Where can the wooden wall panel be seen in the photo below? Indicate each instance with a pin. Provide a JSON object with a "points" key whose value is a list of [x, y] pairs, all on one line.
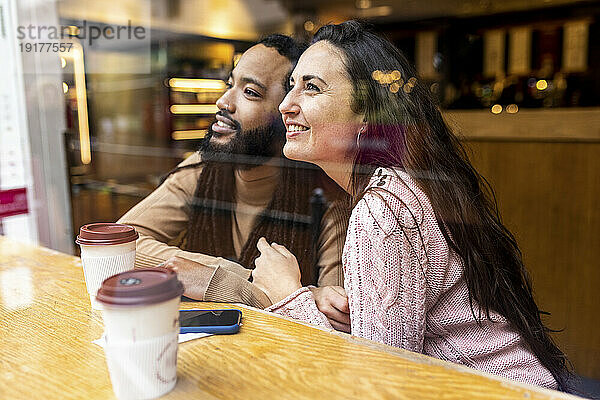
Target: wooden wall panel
{"points": [[548, 194]]}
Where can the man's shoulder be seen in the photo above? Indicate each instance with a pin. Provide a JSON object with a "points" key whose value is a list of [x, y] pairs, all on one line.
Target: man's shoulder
{"points": [[186, 174], [190, 168], [193, 159], [338, 211]]}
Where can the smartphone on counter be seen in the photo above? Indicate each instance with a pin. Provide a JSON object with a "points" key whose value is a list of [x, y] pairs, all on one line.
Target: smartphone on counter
{"points": [[222, 322]]}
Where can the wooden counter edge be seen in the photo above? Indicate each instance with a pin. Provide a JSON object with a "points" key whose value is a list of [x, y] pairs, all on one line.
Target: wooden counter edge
{"points": [[417, 357]]}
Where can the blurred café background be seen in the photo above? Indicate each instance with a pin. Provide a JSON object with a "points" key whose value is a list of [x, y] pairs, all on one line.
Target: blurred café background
{"points": [[87, 133]]}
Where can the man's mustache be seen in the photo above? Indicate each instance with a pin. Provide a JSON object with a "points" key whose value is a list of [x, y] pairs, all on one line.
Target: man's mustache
{"points": [[226, 114]]}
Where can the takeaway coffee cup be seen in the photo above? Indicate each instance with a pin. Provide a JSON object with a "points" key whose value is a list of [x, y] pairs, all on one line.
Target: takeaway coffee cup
{"points": [[106, 249], [140, 310]]}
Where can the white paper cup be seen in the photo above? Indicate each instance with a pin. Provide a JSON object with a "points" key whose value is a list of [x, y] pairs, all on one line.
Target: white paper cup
{"points": [[101, 262], [107, 249], [144, 369], [140, 309], [141, 322]]}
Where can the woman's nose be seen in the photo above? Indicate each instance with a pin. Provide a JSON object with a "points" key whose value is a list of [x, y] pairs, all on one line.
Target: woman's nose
{"points": [[289, 105]]}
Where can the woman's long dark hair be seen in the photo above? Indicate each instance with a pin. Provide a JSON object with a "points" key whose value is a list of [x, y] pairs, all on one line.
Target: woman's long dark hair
{"points": [[405, 130]]}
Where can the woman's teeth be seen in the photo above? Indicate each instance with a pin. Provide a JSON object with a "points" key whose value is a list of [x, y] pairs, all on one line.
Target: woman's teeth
{"points": [[296, 128]]}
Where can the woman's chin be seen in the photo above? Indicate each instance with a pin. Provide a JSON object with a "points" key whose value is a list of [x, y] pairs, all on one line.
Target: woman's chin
{"points": [[292, 151]]}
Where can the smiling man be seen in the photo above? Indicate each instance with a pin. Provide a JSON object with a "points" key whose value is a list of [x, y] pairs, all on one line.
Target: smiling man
{"points": [[205, 220]]}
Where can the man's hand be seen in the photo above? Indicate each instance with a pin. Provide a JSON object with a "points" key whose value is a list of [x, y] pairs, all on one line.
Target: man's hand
{"points": [[194, 276], [333, 302]]}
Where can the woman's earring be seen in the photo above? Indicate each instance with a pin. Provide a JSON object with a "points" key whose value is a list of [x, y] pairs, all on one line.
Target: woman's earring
{"points": [[360, 132]]}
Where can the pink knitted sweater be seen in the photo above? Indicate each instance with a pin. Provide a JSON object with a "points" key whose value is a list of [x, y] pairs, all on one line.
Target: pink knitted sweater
{"points": [[409, 291]]}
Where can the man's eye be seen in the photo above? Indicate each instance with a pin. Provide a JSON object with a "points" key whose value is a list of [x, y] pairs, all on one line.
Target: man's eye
{"points": [[252, 93], [312, 87], [228, 85]]}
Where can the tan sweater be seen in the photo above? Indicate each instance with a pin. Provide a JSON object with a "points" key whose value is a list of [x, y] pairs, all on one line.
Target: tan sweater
{"points": [[161, 219]]}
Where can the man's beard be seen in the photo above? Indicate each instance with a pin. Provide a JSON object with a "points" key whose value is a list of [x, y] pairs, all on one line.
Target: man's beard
{"points": [[246, 149]]}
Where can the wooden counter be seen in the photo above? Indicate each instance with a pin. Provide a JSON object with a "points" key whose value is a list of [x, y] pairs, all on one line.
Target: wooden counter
{"points": [[46, 329]]}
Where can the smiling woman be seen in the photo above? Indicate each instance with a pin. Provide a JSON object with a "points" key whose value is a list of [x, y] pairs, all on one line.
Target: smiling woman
{"points": [[428, 265], [321, 125]]}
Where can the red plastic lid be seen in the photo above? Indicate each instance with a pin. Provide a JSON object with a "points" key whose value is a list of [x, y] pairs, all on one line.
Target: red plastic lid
{"points": [[140, 287], [106, 234]]}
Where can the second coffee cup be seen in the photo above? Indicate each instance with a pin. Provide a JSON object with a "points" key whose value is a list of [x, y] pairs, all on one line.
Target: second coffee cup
{"points": [[106, 249], [140, 310]]}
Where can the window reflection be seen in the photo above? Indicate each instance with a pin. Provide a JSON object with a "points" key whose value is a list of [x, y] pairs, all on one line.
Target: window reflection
{"points": [[16, 288]]}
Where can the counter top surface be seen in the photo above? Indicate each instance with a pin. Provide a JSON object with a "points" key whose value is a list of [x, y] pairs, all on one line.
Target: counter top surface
{"points": [[47, 326]]}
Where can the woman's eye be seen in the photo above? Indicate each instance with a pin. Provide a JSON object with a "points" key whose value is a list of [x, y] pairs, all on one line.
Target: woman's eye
{"points": [[312, 87]]}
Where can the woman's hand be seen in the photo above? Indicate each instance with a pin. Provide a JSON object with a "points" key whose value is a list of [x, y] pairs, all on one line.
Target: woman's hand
{"points": [[277, 272], [333, 302]]}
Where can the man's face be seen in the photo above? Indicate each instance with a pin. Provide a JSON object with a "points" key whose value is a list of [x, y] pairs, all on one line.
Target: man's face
{"points": [[248, 120]]}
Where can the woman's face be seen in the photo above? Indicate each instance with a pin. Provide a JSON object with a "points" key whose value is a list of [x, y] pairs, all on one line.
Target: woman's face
{"points": [[321, 127]]}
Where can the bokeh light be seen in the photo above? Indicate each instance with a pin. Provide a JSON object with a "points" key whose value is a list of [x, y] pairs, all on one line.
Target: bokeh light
{"points": [[512, 108], [541, 84]]}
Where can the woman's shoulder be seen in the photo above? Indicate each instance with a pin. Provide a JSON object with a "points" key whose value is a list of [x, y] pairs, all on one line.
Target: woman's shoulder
{"points": [[397, 187], [395, 180], [391, 198]]}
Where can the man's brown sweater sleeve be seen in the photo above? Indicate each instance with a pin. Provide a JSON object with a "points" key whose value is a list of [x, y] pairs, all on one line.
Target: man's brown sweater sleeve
{"points": [[161, 219]]}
